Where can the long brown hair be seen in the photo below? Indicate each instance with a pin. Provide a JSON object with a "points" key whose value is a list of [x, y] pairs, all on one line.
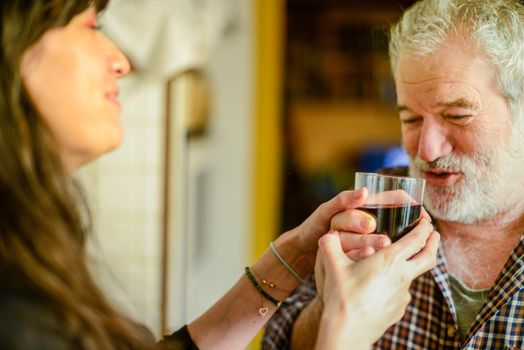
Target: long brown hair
{"points": [[42, 221]]}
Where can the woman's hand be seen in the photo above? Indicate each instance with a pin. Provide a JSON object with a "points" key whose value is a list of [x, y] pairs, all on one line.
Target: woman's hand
{"points": [[362, 299], [357, 245], [305, 237]]}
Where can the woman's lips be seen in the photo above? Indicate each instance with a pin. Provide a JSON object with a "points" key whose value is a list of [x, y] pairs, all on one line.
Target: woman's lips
{"points": [[441, 178], [113, 97]]}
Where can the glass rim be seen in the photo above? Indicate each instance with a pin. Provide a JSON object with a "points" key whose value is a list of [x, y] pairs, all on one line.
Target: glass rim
{"points": [[400, 177]]}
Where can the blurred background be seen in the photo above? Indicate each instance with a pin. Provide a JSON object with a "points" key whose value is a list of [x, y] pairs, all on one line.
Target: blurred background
{"points": [[241, 117]]}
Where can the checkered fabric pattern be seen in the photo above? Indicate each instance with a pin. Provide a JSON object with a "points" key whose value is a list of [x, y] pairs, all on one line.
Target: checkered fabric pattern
{"points": [[430, 319]]}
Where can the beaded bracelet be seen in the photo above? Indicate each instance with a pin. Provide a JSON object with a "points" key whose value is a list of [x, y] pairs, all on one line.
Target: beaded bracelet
{"points": [[289, 268], [266, 283], [260, 289]]}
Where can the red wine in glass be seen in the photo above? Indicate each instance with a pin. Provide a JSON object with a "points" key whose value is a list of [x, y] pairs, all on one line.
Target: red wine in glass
{"points": [[395, 220]]}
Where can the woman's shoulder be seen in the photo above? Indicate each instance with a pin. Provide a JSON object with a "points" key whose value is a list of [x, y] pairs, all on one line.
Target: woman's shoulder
{"points": [[28, 323]]}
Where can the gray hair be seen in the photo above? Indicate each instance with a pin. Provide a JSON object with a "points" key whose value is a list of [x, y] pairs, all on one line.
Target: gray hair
{"points": [[496, 27]]}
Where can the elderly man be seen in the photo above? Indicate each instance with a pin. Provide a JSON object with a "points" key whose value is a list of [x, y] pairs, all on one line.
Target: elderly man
{"points": [[459, 72]]}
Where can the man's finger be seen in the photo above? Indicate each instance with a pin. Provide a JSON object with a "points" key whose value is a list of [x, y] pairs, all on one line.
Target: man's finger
{"points": [[414, 241], [360, 254], [425, 214], [331, 248], [351, 241], [427, 257]]}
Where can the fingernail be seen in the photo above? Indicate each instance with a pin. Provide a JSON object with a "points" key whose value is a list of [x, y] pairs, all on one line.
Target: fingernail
{"points": [[366, 223], [359, 193]]}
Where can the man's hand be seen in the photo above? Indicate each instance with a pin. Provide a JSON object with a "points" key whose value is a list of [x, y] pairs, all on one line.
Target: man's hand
{"points": [[362, 299]]}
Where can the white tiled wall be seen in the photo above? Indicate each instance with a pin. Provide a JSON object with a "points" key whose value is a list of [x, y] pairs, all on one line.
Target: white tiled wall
{"points": [[125, 190]]}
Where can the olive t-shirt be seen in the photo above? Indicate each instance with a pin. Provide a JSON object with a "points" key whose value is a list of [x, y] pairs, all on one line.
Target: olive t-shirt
{"points": [[468, 303]]}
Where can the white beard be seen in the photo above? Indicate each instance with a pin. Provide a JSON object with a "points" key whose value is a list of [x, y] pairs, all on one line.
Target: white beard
{"points": [[492, 183]]}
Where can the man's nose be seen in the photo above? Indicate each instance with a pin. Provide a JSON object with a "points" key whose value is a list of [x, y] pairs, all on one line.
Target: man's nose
{"points": [[434, 141]]}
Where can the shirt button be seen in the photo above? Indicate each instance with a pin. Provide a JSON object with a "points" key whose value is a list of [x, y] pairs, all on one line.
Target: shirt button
{"points": [[452, 331]]}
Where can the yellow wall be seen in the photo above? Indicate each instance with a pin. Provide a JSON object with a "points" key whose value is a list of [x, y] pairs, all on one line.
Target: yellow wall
{"points": [[268, 114], [269, 34]]}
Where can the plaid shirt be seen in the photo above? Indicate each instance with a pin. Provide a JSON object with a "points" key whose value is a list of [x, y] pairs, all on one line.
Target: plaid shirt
{"points": [[430, 320]]}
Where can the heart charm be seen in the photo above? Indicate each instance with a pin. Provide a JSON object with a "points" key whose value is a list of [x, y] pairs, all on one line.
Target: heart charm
{"points": [[263, 311]]}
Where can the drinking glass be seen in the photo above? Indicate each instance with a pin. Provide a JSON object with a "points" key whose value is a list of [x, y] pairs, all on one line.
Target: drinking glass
{"points": [[394, 201]]}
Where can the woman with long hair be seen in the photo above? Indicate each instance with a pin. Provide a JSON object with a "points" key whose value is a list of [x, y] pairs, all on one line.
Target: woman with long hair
{"points": [[59, 109]]}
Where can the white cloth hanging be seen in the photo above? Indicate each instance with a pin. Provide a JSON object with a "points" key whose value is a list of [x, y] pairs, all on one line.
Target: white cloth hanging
{"points": [[165, 37]]}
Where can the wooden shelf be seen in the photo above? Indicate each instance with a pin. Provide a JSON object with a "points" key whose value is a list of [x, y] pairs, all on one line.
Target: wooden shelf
{"points": [[326, 134], [339, 51]]}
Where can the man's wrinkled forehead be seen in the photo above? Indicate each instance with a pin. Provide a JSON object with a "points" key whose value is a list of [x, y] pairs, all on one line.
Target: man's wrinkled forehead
{"points": [[438, 96], [460, 102], [451, 77]]}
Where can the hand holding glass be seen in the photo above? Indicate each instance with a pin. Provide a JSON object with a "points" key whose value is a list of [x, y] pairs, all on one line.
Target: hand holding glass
{"points": [[394, 201]]}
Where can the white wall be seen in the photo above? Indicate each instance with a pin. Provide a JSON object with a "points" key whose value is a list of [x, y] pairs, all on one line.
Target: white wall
{"points": [[219, 262], [125, 190]]}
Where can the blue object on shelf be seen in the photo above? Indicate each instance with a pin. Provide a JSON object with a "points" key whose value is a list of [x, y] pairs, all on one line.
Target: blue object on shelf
{"points": [[375, 157], [396, 156]]}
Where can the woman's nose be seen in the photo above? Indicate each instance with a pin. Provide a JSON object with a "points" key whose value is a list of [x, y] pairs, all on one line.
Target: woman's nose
{"points": [[119, 64]]}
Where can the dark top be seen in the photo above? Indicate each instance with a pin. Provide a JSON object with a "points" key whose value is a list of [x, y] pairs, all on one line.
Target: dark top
{"points": [[179, 340], [27, 323]]}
